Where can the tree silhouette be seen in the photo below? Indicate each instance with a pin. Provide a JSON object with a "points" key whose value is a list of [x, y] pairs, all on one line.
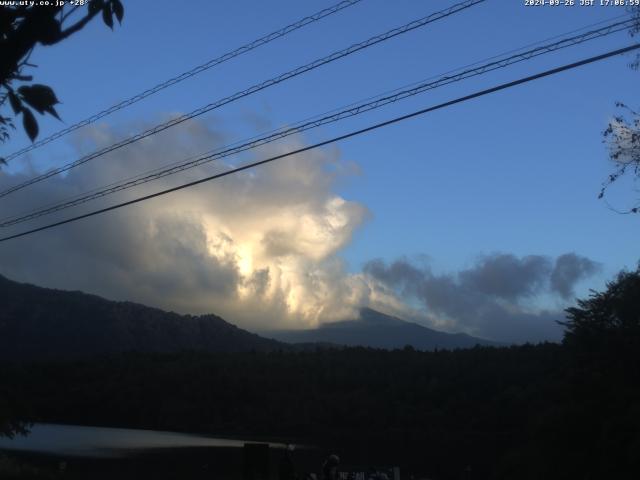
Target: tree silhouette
{"points": [[22, 28], [635, 30], [10, 424], [623, 138], [623, 134], [607, 320], [599, 417]]}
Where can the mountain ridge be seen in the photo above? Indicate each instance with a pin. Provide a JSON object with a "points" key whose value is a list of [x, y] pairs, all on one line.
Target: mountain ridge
{"points": [[38, 323], [41, 323], [378, 330]]}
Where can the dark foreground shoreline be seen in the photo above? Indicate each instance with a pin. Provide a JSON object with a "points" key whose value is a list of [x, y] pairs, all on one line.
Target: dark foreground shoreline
{"points": [[190, 463]]}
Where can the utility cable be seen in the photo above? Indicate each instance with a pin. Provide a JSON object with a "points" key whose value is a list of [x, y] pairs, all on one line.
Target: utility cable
{"points": [[355, 133], [188, 74], [251, 90], [355, 109]]}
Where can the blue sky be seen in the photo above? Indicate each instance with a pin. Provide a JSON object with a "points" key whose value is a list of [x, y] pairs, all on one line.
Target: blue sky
{"points": [[515, 172]]}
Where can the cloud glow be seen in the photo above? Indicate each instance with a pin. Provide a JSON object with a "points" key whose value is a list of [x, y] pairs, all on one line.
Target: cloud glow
{"points": [[262, 248]]}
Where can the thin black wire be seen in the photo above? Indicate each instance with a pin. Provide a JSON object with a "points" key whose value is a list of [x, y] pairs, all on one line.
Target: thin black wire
{"points": [[363, 107], [251, 90], [370, 128], [191, 73]]}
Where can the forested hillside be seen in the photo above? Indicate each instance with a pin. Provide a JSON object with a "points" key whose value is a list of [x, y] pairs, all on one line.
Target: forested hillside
{"points": [[547, 411], [42, 323], [521, 412]]}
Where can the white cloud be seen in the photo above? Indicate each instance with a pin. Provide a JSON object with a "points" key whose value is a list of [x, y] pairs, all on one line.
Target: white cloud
{"points": [[259, 248]]}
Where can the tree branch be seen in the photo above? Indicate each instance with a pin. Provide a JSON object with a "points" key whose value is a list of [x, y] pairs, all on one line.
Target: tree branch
{"points": [[79, 25]]}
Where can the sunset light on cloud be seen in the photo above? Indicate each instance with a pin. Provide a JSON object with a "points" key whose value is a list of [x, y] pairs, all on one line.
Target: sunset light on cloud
{"points": [[370, 240], [263, 248], [496, 193]]}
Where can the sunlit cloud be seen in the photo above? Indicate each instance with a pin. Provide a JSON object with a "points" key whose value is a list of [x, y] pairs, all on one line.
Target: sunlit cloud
{"points": [[263, 248], [260, 247]]}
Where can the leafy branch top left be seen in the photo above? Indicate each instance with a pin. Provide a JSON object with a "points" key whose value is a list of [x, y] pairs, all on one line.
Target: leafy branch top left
{"points": [[22, 28]]}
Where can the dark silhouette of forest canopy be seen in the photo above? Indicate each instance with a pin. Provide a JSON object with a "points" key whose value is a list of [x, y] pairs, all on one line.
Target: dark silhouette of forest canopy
{"points": [[546, 411], [531, 411], [23, 28]]}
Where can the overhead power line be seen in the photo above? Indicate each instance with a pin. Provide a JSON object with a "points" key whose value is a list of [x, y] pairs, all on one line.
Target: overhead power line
{"points": [[251, 90], [355, 133], [188, 74], [353, 110]]}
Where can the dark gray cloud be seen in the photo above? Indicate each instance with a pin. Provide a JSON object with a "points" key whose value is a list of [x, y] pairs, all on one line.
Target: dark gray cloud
{"points": [[508, 277], [490, 298], [569, 270], [163, 261]]}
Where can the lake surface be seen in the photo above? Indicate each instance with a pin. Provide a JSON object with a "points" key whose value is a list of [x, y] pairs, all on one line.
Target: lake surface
{"points": [[72, 440]]}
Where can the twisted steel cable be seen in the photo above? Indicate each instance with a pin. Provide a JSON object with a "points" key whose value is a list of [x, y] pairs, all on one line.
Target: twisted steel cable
{"points": [[251, 90], [188, 74], [318, 121], [332, 140]]}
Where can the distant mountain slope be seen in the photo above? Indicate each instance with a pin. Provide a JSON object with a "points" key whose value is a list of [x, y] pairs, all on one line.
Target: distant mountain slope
{"points": [[38, 323], [377, 330]]}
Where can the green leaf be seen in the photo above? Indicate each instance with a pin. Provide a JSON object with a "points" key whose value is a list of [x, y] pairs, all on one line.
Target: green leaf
{"points": [[16, 103], [40, 97], [107, 15], [118, 9], [30, 124]]}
